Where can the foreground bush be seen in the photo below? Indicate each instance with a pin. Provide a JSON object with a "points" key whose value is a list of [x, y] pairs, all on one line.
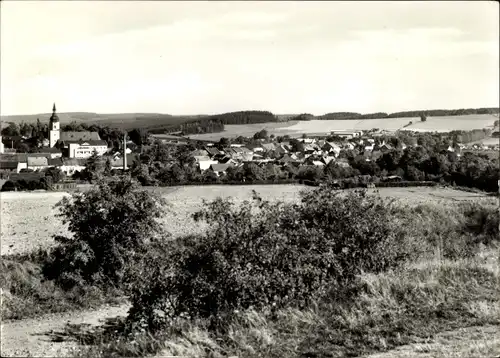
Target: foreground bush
{"points": [[268, 256], [113, 225], [388, 310]]}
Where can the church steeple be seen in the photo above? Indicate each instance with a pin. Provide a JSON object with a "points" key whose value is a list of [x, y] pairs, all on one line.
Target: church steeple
{"points": [[54, 117], [54, 127]]}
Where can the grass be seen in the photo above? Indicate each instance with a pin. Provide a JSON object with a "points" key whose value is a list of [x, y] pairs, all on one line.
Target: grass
{"points": [[28, 221], [26, 293], [412, 307], [392, 309]]}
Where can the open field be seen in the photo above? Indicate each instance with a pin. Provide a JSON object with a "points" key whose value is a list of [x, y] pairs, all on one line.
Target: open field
{"points": [[245, 130], [296, 128], [28, 220], [488, 141]]}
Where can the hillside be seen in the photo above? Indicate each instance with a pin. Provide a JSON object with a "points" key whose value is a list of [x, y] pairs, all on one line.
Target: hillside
{"points": [[154, 122], [120, 120]]}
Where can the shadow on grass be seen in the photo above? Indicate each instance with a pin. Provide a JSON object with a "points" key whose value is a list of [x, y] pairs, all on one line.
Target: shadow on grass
{"points": [[88, 334]]}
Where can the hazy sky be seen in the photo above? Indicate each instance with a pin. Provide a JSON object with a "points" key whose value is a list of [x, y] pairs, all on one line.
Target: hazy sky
{"points": [[286, 57]]}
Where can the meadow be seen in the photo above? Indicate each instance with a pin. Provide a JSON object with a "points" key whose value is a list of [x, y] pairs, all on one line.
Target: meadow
{"points": [[296, 128], [29, 222]]}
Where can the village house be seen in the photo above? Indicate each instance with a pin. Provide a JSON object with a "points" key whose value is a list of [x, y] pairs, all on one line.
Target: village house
{"points": [[330, 147], [204, 162], [74, 144], [37, 163], [73, 165], [117, 161], [85, 149], [347, 134], [269, 147], [49, 152], [212, 151], [219, 169]]}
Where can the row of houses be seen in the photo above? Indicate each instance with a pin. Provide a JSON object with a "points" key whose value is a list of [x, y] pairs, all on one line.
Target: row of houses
{"points": [[314, 152], [15, 163]]}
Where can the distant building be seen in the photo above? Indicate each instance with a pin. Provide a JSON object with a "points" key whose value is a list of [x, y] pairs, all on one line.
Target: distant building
{"points": [[70, 166], [347, 134], [54, 128], [74, 144]]}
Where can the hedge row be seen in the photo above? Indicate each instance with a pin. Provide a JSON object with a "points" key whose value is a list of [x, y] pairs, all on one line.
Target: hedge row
{"points": [[248, 182], [23, 185], [403, 184]]}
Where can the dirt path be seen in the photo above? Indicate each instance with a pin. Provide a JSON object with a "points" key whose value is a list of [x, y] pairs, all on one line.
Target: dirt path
{"points": [[34, 337]]}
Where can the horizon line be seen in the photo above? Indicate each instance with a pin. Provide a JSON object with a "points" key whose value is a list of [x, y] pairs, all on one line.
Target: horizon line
{"points": [[247, 110]]}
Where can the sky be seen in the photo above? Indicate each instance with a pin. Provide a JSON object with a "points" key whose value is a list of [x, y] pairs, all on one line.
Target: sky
{"points": [[213, 57]]}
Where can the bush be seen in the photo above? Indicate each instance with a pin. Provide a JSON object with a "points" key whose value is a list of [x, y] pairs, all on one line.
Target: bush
{"points": [[267, 256], [10, 185], [113, 225]]}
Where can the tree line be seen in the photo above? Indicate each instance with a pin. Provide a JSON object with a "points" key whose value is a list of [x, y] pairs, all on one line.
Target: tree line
{"points": [[404, 114], [164, 165]]}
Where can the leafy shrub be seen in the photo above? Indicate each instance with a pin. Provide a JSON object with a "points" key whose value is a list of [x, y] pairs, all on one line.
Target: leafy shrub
{"points": [[483, 223], [113, 226], [9, 185], [265, 255]]}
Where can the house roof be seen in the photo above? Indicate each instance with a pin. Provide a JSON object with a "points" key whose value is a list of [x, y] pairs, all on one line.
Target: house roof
{"points": [[55, 162], [37, 161], [8, 164], [226, 160], [48, 150], [75, 162], [118, 162], [269, 146], [78, 136], [199, 152], [219, 167], [14, 157], [212, 150], [200, 158], [87, 142]]}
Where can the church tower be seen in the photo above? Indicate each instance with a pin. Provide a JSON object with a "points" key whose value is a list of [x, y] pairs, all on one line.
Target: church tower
{"points": [[54, 128]]}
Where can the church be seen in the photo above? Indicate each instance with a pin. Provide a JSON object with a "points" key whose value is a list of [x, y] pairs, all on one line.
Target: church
{"points": [[74, 144]]}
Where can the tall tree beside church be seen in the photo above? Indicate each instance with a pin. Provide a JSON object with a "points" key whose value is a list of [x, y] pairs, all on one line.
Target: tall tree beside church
{"points": [[93, 169]]}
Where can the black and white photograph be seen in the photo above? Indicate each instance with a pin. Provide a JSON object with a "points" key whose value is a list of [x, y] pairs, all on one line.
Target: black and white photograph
{"points": [[250, 179]]}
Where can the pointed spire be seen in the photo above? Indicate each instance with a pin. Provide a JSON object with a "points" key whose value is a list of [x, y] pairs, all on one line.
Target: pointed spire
{"points": [[54, 117]]}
